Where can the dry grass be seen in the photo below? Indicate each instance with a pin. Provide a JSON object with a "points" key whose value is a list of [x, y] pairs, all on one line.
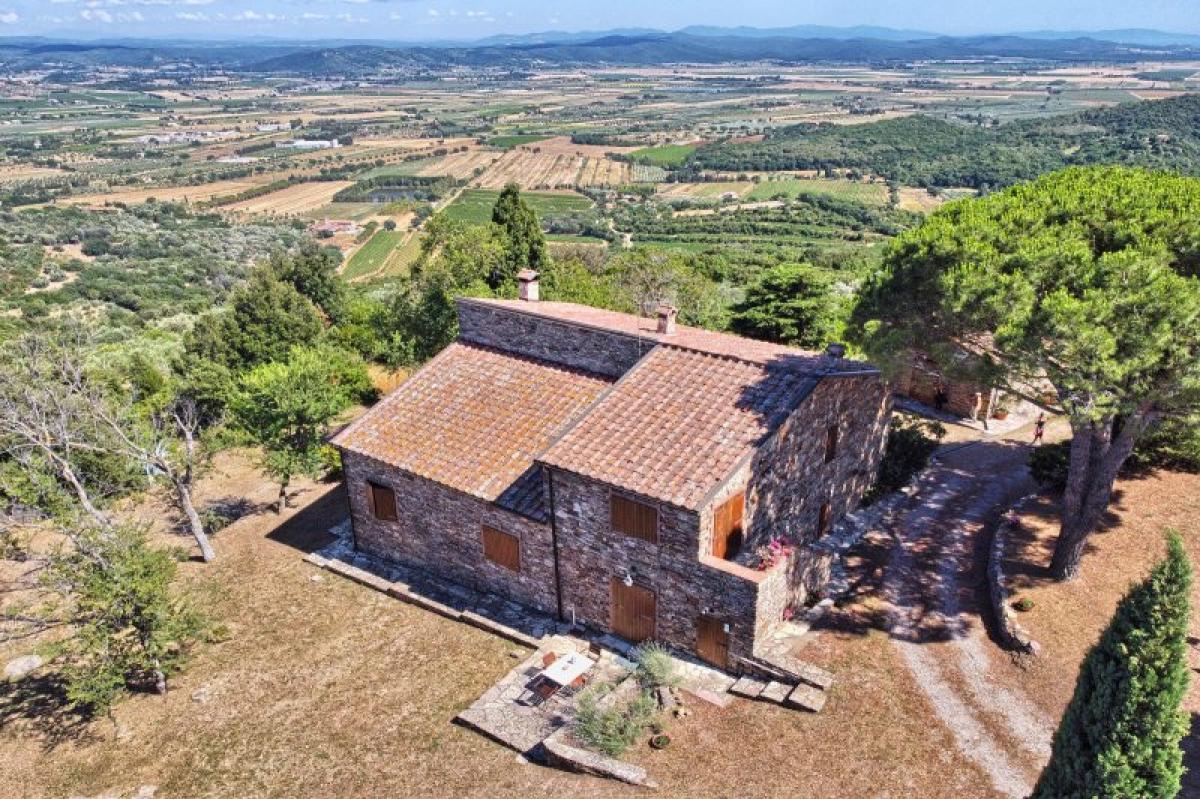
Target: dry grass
{"points": [[1067, 618], [327, 689], [293, 200]]}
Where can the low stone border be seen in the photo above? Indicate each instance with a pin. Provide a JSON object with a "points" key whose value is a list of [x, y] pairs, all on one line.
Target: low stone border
{"points": [[1012, 635]]}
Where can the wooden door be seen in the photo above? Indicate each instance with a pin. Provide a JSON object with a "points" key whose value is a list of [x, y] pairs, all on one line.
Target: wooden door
{"points": [[633, 609], [727, 527], [712, 641]]}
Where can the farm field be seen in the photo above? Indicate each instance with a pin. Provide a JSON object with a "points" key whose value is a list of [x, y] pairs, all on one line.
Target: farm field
{"points": [[665, 155], [507, 142], [293, 200], [373, 256], [474, 206], [704, 191], [545, 170], [193, 194], [858, 191]]}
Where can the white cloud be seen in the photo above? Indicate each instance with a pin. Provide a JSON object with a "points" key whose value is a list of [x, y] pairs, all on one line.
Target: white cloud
{"points": [[99, 15], [250, 15], [9, 17], [192, 16], [433, 12]]}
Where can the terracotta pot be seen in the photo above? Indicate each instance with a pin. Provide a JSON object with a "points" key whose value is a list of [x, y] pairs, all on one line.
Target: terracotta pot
{"points": [[660, 741]]}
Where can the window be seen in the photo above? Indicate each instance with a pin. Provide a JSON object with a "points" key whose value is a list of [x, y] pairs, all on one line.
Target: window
{"points": [[634, 518], [727, 527], [382, 501], [502, 548], [831, 443], [823, 520]]}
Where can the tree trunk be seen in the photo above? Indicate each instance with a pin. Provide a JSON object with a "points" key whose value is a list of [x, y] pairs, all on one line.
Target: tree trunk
{"points": [[197, 526], [1096, 457], [282, 501]]}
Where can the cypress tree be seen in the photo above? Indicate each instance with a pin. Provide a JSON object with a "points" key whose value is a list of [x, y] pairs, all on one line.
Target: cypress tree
{"points": [[525, 244], [1120, 735]]}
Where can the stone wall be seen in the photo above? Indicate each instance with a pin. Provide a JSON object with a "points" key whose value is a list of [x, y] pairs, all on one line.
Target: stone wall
{"points": [[440, 531], [604, 352], [591, 554], [920, 381]]}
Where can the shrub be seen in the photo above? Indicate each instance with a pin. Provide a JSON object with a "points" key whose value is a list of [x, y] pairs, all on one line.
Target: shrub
{"points": [[1172, 444], [130, 629], [614, 729], [655, 666], [1049, 463], [910, 444]]}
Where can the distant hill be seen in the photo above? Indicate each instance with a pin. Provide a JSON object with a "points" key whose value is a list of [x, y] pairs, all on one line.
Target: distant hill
{"points": [[922, 151], [634, 47]]}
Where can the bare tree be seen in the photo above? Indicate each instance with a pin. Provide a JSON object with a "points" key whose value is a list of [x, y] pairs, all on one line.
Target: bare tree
{"points": [[53, 413]]}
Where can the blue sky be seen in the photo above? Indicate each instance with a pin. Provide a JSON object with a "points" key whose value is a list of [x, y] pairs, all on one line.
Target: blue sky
{"points": [[471, 19]]}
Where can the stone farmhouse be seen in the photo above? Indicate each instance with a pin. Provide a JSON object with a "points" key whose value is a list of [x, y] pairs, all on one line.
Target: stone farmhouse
{"points": [[630, 475]]}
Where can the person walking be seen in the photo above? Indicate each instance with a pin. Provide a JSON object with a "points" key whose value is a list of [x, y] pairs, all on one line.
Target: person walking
{"points": [[1039, 429]]}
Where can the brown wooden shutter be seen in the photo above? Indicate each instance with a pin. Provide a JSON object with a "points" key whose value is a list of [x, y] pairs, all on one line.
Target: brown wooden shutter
{"points": [[728, 527], [383, 502], [634, 518], [502, 548], [823, 520]]}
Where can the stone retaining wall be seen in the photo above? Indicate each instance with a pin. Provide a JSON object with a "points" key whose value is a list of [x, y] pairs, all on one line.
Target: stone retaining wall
{"points": [[1012, 635]]}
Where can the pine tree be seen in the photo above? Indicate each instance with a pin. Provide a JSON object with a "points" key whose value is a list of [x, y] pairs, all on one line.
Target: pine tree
{"points": [[526, 246], [1120, 735]]}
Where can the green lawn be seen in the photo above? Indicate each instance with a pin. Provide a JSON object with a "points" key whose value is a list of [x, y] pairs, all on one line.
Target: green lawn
{"points": [[515, 139], [371, 257], [474, 206], [666, 155], [872, 193]]}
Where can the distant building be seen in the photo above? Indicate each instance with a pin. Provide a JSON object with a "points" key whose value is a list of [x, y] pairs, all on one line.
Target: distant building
{"points": [[270, 127], [335, 227], [309, 144]]}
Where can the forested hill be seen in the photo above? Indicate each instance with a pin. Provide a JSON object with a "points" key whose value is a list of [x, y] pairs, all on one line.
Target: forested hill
{"points": [[922, 151]]}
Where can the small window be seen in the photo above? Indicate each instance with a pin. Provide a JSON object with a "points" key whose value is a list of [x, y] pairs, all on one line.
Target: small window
{"points": [[634, 518], [383, 502], [831, 443], [823, 520], [502, 548]]}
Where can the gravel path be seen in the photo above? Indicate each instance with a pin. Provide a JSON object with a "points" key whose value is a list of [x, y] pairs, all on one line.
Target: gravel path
{"points": [[933, 579]]}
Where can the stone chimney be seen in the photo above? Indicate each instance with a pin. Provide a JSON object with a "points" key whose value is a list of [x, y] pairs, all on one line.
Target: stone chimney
{"points": [[835, 351], [666, 319], [527, 282]]}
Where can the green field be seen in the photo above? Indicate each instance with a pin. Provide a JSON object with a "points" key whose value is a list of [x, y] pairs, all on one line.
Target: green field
{"points": [[372, 256], [515, 140], [874, 193], [474, 206], [666, 155]]}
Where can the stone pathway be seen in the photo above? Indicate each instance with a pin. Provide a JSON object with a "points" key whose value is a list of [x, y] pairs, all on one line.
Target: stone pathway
{"points": [[936, 624]]}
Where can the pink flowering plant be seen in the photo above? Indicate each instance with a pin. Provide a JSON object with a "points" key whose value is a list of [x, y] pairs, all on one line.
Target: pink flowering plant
{"points": [[775, 552]]}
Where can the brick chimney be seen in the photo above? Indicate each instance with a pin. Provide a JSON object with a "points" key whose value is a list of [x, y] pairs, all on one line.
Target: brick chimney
{"points": [[527, 282], [666, 319]]}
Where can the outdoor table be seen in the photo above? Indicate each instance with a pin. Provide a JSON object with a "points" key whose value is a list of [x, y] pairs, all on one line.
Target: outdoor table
{"points": [[566, 669]]}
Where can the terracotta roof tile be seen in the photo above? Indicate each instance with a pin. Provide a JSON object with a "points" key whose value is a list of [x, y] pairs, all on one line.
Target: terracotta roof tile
{"points": [[474, 419], [679, 422]]}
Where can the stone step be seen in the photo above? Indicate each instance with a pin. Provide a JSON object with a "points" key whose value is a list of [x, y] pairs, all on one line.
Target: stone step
{"points": [[775, 692], [805, 697], [748, 687]]}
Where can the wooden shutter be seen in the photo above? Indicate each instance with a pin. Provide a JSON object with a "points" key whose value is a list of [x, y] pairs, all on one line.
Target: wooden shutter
{"points": [[823, 520], [634, 518], [831, 443], [383, 502], [728, 526], [633, 611], [502, 548]]}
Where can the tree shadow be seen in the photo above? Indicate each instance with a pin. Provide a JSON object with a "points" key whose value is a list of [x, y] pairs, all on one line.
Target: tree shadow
{"points": [[308, 530], [1028, 563], [38, 705]]}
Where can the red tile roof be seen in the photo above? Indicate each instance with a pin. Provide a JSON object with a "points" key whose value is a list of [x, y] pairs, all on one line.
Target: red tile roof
{"points": [[678, 423], [692, 338], [474, 419]]}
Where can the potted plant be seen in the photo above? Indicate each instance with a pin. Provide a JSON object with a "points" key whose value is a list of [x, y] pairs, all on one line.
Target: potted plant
{"points": [[660, 740]]}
